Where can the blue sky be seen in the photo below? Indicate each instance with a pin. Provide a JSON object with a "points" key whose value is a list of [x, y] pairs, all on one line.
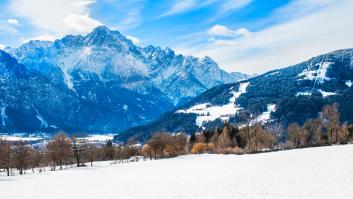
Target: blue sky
{"points": [[251, 36]]}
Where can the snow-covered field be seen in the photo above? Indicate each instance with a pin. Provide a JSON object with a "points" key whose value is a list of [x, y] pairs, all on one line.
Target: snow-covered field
{"points": [[314, 173]]}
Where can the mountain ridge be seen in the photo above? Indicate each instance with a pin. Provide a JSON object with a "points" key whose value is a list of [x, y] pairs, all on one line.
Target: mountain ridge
{"points": [[124, 85], [292, 94]]}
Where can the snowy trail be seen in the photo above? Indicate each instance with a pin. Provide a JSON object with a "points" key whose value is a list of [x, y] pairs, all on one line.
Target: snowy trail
{"points": [[314, 173]]}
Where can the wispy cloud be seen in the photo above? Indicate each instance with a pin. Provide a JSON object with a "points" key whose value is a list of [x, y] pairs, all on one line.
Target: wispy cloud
{"points": [[296, 39], [2, 46], [6, 29], [130, 14], [182, 6], [231, 5]]}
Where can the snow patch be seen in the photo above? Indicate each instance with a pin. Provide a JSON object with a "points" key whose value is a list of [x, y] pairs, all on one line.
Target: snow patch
{"points": [[13, 138], [306, 93], [87, 51], [125, 107], [40, 118], [266, 116], [349, 83], [326, 94], [3, 115], [206, 112], [317, 75], [42, 121], [100, 138]]}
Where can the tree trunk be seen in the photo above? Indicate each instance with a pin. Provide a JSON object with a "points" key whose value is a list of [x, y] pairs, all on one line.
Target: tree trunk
{"points": [[78, 160]]}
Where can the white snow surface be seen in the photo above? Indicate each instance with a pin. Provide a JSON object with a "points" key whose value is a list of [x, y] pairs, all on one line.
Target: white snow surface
{"points": [[14, 138], [3, 115], [306, 93], [207, 112], [326, 94], [318, 75], [100, 138], [266, 116], [312, 173], [349, 83]]}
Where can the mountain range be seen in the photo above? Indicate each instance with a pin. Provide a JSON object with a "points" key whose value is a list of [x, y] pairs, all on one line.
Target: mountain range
{"points": [[97, 83], [289, 95]]}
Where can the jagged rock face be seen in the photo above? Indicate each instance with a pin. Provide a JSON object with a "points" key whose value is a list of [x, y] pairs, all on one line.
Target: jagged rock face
{"points": [[99, 83], [30, 102], [105, 55], [288, 95]]}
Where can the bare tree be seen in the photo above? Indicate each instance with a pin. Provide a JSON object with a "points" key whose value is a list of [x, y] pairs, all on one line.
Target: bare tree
{"points": [[59, 149], [5, 156], [180, 143], [313, 130], [108, 151], [277, 132], [293, 134], [79, 148], [343, 134], [331, 120], [21, 156], [158, 143], [223, 140], [147, 151], [91, 153]]}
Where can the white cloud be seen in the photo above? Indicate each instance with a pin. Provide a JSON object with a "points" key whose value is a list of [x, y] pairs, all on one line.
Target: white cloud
{"points": [[2, 46], [45, 37], [223, 31], [84, 2], [56, 17], [316, 31], [12, 21], [134, 40], [80, 23]]}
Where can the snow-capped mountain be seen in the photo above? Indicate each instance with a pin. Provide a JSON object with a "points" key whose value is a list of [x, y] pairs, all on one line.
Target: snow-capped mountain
{"points": [[288, 95], [97, 83], [30, 102], [105, 55]]}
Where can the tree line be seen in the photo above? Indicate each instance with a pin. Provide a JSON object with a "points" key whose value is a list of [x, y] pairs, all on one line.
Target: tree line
{"points": [[59, 152], [252, 137]]}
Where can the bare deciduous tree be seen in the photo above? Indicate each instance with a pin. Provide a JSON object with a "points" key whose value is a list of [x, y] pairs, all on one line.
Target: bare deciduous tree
{"points": [[331, 120], [59, 149], [21, 156], [5, 156], [79, 149]]}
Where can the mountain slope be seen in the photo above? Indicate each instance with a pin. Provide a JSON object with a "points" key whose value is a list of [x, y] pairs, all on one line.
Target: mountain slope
{"points": [[107, 83], [30, 102], [292, 94], [106, 55]]}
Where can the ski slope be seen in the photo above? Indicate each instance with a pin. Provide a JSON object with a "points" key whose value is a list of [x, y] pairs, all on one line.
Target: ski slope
{"points": [[313, 173]]}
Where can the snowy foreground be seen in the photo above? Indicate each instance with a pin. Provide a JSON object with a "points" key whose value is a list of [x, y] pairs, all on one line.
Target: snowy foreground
{"points": [[314, 173]]}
